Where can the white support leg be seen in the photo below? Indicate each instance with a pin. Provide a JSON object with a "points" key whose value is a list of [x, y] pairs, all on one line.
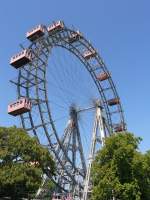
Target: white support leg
{"points": [[97, 134]]}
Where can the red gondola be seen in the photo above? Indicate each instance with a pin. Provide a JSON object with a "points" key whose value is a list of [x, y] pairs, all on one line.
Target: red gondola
{"points": [[56, 26], [103, 76], [21, 58], [89, 54], [113, 102], [119, 128], [35, 33], [74, 37], [21, 106]]}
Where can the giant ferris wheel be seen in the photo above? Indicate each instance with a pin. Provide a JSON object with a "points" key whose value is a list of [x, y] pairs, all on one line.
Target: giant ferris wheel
{"points": [[67, 100]]}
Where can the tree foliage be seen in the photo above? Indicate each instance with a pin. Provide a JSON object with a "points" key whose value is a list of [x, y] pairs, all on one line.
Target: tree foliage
{"points": [[120, 170], [22, 163]]}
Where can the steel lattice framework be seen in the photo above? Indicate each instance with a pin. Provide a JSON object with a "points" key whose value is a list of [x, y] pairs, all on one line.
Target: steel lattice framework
{"points": [[32, 83]]}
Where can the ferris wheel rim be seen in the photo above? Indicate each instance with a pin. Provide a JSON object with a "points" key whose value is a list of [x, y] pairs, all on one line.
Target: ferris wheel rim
{"points": [[92, 72]]}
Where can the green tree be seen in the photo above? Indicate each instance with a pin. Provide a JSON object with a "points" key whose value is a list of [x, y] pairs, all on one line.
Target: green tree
{"points": [[120, 170], [22, 164]]}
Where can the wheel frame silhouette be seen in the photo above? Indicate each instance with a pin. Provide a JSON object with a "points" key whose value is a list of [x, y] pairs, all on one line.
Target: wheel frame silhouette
{"points": [[33, 75]]}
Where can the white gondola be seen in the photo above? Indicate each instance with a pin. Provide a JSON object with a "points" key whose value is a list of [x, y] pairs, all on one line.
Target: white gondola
{"points": [[112, 102], [19, 107], [35, 33], [56, 26], [103, 76], [21, 58], [75, 37], [89, 54]]}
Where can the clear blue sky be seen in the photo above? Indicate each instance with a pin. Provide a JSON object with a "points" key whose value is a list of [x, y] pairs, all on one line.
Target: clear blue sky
{"points": [[119, 29]]}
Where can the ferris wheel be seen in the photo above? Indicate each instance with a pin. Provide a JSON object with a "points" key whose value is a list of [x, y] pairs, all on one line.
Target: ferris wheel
{"points": [[67, 99]]}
